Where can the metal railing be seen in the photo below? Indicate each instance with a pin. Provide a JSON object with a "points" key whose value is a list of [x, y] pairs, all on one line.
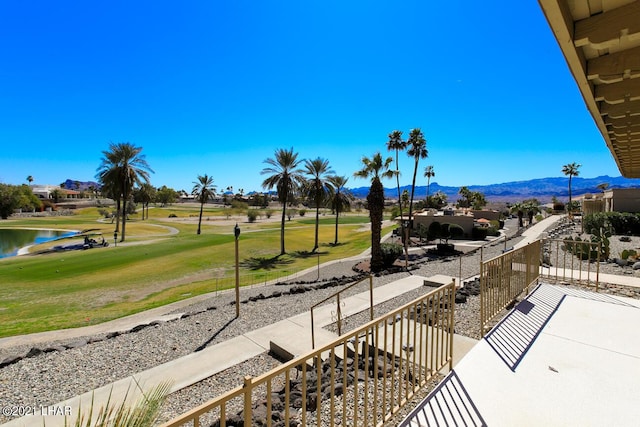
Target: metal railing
{"points": [[338, 312], [571, 261], [362, 378], [506, 276]]}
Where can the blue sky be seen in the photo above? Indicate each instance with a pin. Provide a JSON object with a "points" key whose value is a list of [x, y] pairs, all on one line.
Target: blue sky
{"points": [[216, 87]]}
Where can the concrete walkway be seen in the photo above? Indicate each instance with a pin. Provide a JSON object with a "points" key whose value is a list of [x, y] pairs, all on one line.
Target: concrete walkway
{"points": [[562, 357], [197, 366]]}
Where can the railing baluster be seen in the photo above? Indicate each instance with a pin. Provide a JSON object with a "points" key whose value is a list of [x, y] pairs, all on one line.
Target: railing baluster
{"points": [[431, 347]]}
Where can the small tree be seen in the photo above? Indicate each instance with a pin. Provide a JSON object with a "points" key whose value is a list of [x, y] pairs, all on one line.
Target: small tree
{"points": [[203, 190]]}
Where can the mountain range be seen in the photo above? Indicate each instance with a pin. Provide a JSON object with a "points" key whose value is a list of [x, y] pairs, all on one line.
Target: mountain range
{"points": [[542, 189]]}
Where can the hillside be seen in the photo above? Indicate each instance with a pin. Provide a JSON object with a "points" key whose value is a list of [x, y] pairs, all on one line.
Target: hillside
{"points": [[542, 189]]}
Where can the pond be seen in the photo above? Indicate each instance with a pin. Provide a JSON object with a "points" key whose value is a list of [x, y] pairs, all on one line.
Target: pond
{"points": [[13, 239]]}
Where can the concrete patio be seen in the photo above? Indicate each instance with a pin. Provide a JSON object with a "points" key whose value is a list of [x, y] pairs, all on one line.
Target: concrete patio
{"points": [[562, 357]]}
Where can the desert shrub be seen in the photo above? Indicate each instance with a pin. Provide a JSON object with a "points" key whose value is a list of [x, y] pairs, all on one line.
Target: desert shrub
{"points": [[290, 213], [301, 212], [390, 252], [172, 215], [252, 215], [455, 231], [618, 222], [492, 231], [48, 204], [239, 205], [268, 213], [433, 232], [628, 253], [479, 233]]}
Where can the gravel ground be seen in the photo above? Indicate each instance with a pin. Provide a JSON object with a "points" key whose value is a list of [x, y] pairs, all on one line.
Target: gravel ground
{"points": [[58, 375]]}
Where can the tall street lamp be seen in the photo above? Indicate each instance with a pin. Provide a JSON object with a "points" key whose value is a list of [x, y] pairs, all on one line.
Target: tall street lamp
{"points": [[236, 232]]}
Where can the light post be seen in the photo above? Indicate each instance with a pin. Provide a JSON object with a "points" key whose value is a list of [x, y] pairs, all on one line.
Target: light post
{"points": [[115, 238], [236, 232]]}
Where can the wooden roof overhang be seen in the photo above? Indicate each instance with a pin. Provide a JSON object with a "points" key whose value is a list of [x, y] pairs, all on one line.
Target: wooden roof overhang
{"points": [[600, 40]]}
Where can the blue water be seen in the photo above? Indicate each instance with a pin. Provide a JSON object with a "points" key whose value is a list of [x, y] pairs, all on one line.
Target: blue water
{"points": [[13, 239]]}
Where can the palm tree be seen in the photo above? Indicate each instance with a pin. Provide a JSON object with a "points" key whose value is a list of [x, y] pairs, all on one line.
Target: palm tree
{"points": [[418, 150], [396, 143], [376, 168], [286, 178], [518, 208], [121, 168], [429, 173], [571, 170], [339, 197], [30, 179], [109, 176], [147, 194], [203, 190], [317, 186]]}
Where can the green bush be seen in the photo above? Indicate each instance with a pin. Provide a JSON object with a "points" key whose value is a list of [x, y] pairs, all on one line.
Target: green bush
{"points": [[239, 205], [455, 231], [628, 253], [172, 215], [301, 212], [252, 215], [434, 230], [479, 233], [619, 222], [492, 231], [390, 253], [268, 213]]}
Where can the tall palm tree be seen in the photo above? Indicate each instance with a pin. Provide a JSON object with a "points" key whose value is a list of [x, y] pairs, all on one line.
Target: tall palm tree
{"points": [[319, 172], [203, 190], [339, 197], [417, 145], [121, 168], [109, 177], [429, 173], [286, 178], [376, 168], [518, 208], [570, 170], [396, 143], [30, 179], [147, 194]]}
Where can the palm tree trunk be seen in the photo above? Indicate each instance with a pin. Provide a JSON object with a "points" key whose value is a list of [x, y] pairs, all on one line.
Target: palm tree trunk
{"points": [[200, 218], [570, 207], [402, 230], [117, 216], [337, 213], [413, 188], [124, 218], [376, 206], [315, 246], [284, 209]]}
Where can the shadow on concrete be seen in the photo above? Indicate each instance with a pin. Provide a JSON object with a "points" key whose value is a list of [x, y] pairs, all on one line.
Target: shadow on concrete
{"points": [[514, 335], [449, 404]]}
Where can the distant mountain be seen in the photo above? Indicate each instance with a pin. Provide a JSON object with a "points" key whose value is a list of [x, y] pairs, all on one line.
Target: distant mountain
{"points": [[72, 184], [542, 189]]}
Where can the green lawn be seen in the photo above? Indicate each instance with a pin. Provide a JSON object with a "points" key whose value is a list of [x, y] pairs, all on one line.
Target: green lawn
{"points": [[155, 267]]}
